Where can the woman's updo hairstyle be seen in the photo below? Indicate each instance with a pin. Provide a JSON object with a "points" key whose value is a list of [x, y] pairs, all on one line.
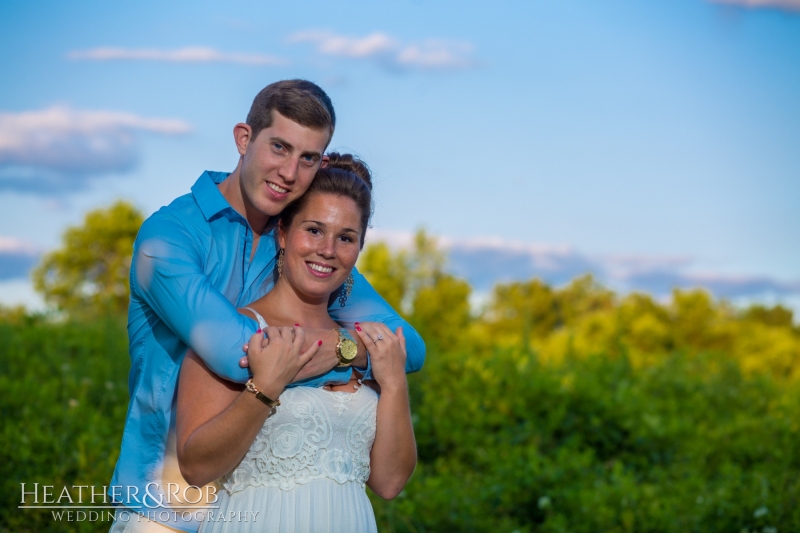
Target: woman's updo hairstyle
{"points": [[345, 175]]}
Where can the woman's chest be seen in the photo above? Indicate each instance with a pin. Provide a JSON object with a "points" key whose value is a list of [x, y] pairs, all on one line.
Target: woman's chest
{"points": [[310, 418]]}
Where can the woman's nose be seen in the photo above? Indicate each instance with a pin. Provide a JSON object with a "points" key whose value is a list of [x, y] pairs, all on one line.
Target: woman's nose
{"points": [[326, 248]]}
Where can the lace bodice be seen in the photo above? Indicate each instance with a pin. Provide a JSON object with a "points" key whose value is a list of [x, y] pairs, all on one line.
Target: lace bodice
{"points": [[313, 434]]}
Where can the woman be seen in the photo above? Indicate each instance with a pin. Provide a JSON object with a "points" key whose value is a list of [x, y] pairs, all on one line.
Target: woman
{"points": [[303, 464]]}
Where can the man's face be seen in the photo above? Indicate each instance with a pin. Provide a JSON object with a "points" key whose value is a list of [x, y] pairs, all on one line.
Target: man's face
{"points": [[280, 163]]}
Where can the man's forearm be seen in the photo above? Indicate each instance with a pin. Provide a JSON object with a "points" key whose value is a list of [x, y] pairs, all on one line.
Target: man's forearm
{"points": [[327, 358]]}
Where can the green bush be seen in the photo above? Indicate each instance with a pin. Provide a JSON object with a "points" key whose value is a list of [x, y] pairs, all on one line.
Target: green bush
{"points": [[63, 403], [506, 443]]}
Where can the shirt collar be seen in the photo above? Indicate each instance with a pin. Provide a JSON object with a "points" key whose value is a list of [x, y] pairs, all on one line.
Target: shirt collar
{"points": [[207, 194]]}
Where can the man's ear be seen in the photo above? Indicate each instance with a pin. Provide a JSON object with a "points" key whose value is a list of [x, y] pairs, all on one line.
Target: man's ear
{"points": [[241, 135], [281, 235], [325, 160]]}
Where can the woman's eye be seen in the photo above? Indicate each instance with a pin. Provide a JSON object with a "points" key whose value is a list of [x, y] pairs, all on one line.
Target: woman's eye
{"points": [[347, 238], [313, 231]]}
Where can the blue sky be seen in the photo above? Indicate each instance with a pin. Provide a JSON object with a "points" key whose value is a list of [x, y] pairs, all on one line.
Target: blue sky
{"points": [[653, 143]]}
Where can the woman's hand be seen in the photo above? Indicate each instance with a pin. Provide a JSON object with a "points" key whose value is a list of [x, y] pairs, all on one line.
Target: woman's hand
{"points": [[394, 451], [387, 353], [276, 359]]}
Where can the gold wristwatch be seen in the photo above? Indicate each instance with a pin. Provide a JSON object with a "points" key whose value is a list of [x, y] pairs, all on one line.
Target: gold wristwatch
{"points": [[346, 349]]}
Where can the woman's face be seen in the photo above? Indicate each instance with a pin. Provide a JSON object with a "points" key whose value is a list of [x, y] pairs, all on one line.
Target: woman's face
{"points": [[322, 244]]}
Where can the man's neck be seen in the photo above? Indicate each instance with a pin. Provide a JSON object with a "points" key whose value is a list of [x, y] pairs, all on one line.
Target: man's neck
{"points": [[231, 189]]}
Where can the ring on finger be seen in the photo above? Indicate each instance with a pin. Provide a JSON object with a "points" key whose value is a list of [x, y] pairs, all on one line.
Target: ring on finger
{"points": [[378, 338]]}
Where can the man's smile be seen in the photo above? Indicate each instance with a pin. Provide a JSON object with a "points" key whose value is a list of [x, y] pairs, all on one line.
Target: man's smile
{"points": [[276, 188]]}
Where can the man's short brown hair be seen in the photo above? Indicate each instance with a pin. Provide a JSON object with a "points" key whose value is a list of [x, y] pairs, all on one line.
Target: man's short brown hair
{"points": [[300, 101]]}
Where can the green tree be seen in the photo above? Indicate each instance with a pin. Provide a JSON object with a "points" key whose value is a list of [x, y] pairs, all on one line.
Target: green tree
{"points": [[414, 282], [386, 271], [442, 312], [89, 274]]}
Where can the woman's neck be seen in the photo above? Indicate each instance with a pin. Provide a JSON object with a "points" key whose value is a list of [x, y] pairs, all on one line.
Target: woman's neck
{"points": [[285, 306]]}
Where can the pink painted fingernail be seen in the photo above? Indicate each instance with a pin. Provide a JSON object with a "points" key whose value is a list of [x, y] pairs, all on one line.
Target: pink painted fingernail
{"points": [[297, 325], [319, 343], [358, 328], [258, 330], [357, 323]]}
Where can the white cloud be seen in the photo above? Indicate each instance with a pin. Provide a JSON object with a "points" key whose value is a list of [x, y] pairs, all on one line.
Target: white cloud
{"points": [[58, 149], [389, 52], [487, 261], [338, 45], [788, 5], [16, 258], [13, 245], [195, 54], [435, 54]]}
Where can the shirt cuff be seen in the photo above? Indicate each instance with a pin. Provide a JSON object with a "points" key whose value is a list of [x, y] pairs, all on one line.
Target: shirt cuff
{"points": [[367, 372]]}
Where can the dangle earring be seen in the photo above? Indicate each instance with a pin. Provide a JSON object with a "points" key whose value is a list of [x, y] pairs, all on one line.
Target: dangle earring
{"points": [[280, 263], [348, 287]]}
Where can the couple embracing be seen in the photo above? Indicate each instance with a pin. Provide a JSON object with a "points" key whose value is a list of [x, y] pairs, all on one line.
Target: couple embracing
{"points": [[264, 258]]}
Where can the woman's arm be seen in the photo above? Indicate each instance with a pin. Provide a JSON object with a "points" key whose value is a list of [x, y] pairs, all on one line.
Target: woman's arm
{"points": [[394, 452], [217, 421]]}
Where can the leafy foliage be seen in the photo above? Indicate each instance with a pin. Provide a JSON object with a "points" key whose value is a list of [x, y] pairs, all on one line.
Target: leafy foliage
{"points": [[63, 403], [551, 409], [89, 274]]}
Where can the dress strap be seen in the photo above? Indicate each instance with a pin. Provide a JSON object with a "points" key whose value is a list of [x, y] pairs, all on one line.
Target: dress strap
{"points": [[261, 322]]}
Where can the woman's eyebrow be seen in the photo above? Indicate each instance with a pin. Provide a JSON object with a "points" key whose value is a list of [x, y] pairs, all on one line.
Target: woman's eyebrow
{"points": [[318, 223]]}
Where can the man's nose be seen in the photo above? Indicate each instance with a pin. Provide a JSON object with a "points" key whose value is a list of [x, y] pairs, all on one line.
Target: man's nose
{"points": [[288, 171]]}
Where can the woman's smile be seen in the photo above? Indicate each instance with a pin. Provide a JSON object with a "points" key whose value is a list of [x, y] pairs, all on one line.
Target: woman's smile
{"points": [[320, 270]]}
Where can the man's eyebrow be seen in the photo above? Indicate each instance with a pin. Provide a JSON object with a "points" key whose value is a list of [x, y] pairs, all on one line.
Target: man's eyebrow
{"points": [[312, 154], [289, 147], [285, 143]]}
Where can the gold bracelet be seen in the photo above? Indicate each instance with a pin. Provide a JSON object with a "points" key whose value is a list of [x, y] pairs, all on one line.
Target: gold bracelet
{"points": [[251, 387]]}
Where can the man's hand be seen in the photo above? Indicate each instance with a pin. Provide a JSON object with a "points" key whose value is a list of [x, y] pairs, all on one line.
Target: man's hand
{"points": [[325, 358]]}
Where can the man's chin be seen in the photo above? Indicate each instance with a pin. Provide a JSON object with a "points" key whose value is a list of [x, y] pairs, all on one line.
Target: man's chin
{"points": [[271, 208]]}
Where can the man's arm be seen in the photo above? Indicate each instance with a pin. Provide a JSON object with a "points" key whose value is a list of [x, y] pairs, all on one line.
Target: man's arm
{"points": [[167, 273], [365, 305]]}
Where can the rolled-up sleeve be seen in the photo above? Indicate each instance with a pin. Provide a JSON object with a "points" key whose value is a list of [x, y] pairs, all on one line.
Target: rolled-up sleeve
{"points": [[167, 274]]}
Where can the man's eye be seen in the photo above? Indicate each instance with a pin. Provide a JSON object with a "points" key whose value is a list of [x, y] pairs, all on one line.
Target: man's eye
{"points": [[277, 146]]}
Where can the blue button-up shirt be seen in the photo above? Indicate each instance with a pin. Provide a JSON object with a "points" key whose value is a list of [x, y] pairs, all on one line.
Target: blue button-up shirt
{"points": [[191, 269]]}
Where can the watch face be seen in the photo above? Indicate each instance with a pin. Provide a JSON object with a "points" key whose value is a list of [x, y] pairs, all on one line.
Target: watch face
{"points": [[348, 349]]}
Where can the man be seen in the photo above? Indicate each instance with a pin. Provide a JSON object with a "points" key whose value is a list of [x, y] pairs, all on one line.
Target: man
{"points": [[209, 252]]}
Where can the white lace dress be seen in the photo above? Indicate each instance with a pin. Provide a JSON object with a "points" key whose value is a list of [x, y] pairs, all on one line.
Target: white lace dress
{"points": [[307, 468]]}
